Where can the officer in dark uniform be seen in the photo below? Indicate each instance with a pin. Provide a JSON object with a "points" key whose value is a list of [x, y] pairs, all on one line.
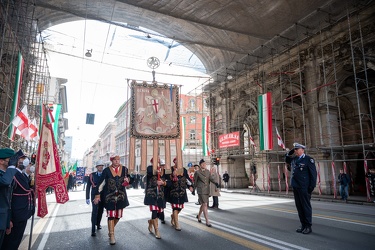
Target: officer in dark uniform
{"points": [[303, 181], [22, 205], [97, 209]]}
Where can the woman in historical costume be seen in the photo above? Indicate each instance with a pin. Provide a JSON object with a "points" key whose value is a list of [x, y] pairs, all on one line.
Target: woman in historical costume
{"points": [[112, 186], [155, 196], [180, 181]]}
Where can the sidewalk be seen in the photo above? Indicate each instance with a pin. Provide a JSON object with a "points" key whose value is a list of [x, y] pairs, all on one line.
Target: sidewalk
{"points": [[353, 199]]}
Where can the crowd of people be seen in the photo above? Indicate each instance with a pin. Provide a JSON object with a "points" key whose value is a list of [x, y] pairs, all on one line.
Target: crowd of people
{"points": [[107, 189]]}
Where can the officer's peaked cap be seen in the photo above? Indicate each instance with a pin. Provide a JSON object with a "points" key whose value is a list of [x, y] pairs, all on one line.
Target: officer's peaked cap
{"points": [[297, 145]]}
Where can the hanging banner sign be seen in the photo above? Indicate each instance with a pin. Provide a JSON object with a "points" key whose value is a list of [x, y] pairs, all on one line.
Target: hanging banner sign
{"points": [[229, 140]]}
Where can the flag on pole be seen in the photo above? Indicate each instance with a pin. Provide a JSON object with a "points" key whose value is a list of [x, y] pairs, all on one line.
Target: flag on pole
{"points": [[21, 123], [48, 169], [53, 118], [265, 121], [33, 131], [279, 140], [183, 126], [16, 96], [73, 168], [205, 135], [252, 142]]}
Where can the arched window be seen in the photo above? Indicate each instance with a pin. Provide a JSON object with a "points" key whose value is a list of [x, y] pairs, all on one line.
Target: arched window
{"points": [[192, 104]]}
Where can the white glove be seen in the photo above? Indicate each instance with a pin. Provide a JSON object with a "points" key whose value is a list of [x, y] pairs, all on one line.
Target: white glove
{"points": [[88, 201]]}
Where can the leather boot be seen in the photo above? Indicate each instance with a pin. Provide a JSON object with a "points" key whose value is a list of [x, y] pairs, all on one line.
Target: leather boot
{"points": [[116, 221], [156, 227], [111, 230], [175, 215], [172, 220], [150, 224]]}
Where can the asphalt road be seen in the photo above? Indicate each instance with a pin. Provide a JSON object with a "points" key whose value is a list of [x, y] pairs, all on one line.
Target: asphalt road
{"points": [[242, 222]]}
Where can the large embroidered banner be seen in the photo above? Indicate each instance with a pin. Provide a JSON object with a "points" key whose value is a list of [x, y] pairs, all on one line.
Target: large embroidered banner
{"points": [[155, 111]]}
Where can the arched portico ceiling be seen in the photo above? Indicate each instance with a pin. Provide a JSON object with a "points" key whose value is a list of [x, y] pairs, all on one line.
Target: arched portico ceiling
{"points": [[220, 33]]}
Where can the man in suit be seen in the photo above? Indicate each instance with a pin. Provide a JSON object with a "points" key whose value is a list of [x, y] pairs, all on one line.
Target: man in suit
{"points": [[6, 179], [202, 180], [23, 205], [97, 209]]}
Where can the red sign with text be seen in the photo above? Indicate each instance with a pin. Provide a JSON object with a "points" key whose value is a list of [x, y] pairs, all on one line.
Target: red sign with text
{"points": [[229, 140]]}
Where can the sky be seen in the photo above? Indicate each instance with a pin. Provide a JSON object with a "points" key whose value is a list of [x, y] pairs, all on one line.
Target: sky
{"points": [[99, 84]]}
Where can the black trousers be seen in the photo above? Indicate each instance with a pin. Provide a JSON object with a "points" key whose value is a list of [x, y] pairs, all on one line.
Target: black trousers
{"points": [[96, 215], [303, 205], [13, 240]]}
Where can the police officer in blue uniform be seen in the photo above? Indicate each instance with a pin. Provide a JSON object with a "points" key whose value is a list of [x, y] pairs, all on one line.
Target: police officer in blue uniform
{"points": [[97, 209], [303, 181]]}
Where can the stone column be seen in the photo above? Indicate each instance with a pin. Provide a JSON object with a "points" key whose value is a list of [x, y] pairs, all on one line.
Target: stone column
{"points": [[311, 78]]}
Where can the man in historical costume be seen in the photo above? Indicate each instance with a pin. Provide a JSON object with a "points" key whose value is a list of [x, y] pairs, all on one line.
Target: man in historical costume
{"points": [[303, 181], [177, 194], [6, 179], [112, 187], [154, 197], [202, 180], [22, 205], [97, 209]]}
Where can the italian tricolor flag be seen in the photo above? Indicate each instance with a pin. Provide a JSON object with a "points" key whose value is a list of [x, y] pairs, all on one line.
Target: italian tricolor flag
{"points": [[16, 96], [183, 126], [205, 135], [265, 121]]}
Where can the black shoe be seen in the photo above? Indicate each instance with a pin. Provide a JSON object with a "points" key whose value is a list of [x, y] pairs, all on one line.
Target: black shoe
{"points": [[197, 203], [307, 230], [93, 234], [300, 230], [163, 222], [211, 207], [199, 220], [99, 227]]}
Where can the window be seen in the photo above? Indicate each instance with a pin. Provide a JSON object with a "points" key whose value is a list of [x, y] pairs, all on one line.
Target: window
{"points": [[192, 104], [192, 135], [192, 119]]}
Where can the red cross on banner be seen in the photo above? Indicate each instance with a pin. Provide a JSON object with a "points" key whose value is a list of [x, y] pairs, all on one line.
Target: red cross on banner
{"points": [[155, 104]]}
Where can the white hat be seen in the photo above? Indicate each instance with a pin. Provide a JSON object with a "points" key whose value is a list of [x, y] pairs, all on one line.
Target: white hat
{"points": [[162, 162], [99, 163], [297, 145]]}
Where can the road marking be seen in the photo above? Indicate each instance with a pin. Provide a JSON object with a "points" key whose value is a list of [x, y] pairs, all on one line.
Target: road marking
{"points": [[328, 217], [222, 234], [49, 228], [37, 229]]}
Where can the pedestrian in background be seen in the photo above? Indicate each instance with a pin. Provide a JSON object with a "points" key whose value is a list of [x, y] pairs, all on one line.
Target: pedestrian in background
{"points": [[371, 177], [6, 180], [303, 181], [344, 181], [226, 179], [97, 209], [214, 190]]}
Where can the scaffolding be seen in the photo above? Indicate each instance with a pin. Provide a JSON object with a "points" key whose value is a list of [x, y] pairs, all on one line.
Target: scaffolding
{"points": [[19, 34], [322, 83]]}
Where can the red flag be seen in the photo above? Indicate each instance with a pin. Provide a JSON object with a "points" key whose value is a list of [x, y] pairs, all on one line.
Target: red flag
{"points": [[33, 130], [279, 140], [21, 123], [48, 169]]}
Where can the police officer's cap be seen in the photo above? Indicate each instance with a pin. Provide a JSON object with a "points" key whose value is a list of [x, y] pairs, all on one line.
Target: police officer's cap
{"points": [[297, 145]]}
